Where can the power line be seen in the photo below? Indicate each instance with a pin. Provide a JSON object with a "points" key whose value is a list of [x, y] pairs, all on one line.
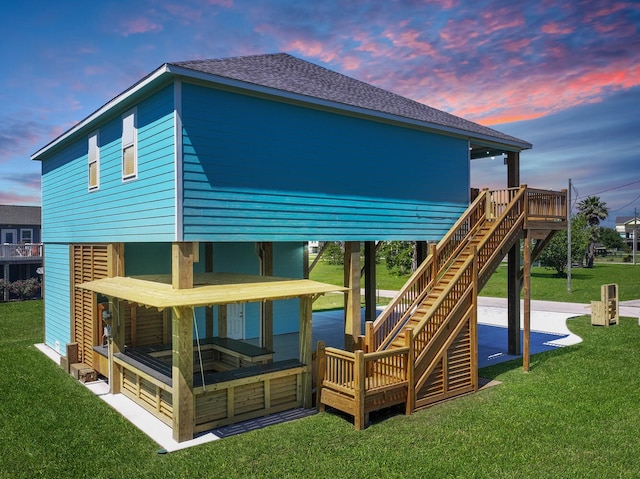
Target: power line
{"points": [[607, 190], [630, 203]]}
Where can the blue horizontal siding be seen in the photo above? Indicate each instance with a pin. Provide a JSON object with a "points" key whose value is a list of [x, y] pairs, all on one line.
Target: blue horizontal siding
{"points": [[261, 170], [134, 211], [57, 296]]}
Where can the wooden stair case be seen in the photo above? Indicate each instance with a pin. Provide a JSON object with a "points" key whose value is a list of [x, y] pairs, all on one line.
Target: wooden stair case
{"points": [[422, 348]]}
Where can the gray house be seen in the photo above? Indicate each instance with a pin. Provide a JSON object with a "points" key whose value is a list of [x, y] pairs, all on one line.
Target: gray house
{"points": [[20, 247]]}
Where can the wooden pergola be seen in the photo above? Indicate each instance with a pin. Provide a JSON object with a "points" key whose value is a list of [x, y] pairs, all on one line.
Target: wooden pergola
{"points": [[182, 292]]}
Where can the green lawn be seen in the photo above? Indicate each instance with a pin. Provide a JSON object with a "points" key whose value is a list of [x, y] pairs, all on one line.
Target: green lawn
{"points": [[585, 283], [575, 415]]}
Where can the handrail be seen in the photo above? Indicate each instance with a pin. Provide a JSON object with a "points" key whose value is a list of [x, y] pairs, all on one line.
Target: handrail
{"points": [[394, 316]]}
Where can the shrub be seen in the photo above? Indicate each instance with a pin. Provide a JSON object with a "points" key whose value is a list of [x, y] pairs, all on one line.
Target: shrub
{"points": [[25, 288]]}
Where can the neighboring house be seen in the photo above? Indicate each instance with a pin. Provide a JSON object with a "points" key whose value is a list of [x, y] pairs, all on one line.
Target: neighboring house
{"points": [[20, 247], [628, 227], [182, 203]]}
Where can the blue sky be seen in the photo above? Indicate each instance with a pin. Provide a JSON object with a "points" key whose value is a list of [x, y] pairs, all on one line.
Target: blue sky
{"points": [[564, 76]]}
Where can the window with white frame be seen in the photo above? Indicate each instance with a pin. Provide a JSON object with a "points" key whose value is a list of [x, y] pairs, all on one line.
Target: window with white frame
{"points": [[94, 162], [129, 146], [26, 235]]}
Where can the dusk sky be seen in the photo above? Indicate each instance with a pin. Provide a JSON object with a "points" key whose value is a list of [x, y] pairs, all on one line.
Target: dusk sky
{"points": [[563, 75]]}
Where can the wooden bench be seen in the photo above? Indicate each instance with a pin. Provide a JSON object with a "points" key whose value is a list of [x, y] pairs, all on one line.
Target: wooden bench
{"points": [[219, 355]]}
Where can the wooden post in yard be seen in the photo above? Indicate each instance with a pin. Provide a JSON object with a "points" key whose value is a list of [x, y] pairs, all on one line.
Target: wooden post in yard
{"points": [[359, 380], [266, 321], [527, 302], [353, 321], [370, 286], [411, 368], [321, 358], [306, 349], [208, 268], [116, 345], [182, 345], [513, 267]]}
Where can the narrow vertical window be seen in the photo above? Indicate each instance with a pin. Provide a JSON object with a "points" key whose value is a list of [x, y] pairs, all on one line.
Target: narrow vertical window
{"points": [[129, 146], [94, 162]]}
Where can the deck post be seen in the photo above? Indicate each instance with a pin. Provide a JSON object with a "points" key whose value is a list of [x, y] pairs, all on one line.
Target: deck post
{"points": [[116, 345], [306, 349], [182, 344], [266, 320], [370, 286], [513, 267], [353, 321], [208, 268], [182, 374], [411, 369], [527, 302], [359, 380], [321, 358]]}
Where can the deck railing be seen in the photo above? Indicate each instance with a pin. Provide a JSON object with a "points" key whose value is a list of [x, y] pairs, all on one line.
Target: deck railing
{"points": [[353, 377], [20, 252]]}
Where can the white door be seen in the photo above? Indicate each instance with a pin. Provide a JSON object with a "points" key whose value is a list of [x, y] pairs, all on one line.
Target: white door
{"points": [[9, 236], [235, 321]]}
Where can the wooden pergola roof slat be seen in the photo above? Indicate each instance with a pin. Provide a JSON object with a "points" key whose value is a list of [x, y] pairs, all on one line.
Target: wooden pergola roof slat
{"points": [[208, 289]]}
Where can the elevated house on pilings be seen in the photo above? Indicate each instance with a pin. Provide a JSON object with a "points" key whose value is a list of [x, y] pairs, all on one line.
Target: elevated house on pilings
{"points": [[176, 218]]}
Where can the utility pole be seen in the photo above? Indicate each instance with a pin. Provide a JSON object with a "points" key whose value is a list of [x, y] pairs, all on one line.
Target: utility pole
{"points": [[635, 234], [569, 237]]}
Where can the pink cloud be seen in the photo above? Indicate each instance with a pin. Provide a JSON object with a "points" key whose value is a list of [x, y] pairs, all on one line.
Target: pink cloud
{"points": [[555, 28], [11, 197], [139, 25]]}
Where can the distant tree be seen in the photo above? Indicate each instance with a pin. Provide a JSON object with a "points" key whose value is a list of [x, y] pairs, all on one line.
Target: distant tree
{"points": [[554, 256], [611, 239], [333, 253], [399, 256], [593, 210]]}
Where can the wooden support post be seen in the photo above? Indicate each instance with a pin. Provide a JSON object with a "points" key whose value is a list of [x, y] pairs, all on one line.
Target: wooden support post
{"points": [[513, 268], [370, 286], [527, 302], [321, 359], [116, 345], [222, 320], [422, 251], [267, 306], [359, 380], [411, 368], [208, 268], [182, 257], [353, 321], [306, 348], [182, 374], [369, 342]]}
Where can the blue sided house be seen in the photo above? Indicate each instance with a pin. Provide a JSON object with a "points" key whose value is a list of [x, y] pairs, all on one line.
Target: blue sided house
{"points": [[175, 226]]}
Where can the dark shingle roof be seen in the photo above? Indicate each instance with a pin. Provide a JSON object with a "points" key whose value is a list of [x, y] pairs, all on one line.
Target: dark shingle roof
{"points": [[287, 73], [19, 215]]}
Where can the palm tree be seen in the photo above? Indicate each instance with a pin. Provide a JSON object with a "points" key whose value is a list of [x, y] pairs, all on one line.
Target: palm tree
{"points": [[593, 210]]}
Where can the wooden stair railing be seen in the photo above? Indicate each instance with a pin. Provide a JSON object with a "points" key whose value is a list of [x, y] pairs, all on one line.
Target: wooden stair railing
{"points": [[436, 307], [412, 294]]}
